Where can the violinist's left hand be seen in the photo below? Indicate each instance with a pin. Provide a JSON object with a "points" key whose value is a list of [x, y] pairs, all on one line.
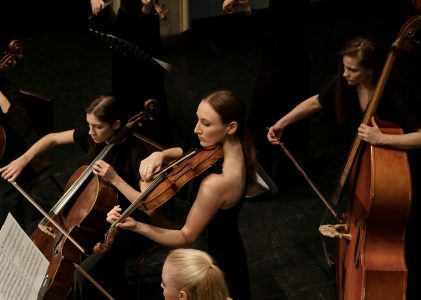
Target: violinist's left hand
{"points": [[370, 134], [104, 170], [97, 6]]}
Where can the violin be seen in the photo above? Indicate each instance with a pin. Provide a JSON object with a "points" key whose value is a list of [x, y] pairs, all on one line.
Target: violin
{"points": [[165, 185], [11, 58], [231, 6]]}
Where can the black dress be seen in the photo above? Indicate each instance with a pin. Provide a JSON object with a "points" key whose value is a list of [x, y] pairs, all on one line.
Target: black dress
{"points": [[225, 245]]}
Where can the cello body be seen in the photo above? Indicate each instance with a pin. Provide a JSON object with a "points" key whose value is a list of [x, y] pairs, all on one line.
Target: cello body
{"points": [[372, 264], [83, 219]]}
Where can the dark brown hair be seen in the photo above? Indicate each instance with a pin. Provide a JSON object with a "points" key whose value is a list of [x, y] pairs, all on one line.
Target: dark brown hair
{"points": [[231, 108], [366, 51]]}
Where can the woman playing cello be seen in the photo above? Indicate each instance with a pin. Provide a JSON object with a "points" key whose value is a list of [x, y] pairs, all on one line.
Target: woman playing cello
{"points": [[220, 121], [346, 97], [104, 120]]}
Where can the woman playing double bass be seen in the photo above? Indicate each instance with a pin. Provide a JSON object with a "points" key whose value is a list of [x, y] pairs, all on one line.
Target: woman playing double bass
{"points": [[104, 119], [219, 198], [346, 97]]}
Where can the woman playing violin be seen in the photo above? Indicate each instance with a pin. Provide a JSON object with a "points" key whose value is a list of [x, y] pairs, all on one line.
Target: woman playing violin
{"points": [[104, 120], [221, 118]]}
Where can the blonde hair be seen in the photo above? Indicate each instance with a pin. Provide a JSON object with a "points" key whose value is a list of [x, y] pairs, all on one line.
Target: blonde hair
{"points": [[197, 274]]}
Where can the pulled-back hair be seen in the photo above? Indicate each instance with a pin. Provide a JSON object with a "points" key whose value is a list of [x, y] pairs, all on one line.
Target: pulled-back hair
{"points": [[197, 274], [232, 108], [365, 50], [106, 109]]}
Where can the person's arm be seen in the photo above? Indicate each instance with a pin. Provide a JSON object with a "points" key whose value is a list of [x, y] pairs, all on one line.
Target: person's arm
{"points": [[97, 6], [154, 162], [13, 169], [301, 111], [4, 103], [107, 172], [374, 136], [207, 203]]}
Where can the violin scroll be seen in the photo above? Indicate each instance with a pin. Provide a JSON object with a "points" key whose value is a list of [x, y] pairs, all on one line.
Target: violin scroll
{"points": [[11, 58], [229, 7], [161, 10], [102, 248]]}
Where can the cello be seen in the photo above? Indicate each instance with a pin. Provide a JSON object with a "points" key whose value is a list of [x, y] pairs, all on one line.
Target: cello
{"points": [[81, 212], [370, 252]]}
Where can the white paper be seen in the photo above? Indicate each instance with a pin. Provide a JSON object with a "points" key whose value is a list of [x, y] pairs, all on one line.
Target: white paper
{"points": [[23, 266]]}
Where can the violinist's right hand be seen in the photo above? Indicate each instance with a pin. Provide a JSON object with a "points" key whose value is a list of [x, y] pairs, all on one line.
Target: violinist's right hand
{"points": [[151, 165], [97, 6], [13, 169]]}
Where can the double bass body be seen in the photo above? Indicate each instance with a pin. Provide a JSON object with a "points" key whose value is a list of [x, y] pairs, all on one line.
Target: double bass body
{"points": [[371, 265]]}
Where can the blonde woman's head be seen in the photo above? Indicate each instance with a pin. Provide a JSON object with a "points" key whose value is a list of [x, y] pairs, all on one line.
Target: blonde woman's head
{"points": [[192, 274]]}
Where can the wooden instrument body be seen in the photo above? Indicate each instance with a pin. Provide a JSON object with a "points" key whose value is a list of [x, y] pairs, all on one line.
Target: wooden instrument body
{"points": [[83, 219], [372, 264]]}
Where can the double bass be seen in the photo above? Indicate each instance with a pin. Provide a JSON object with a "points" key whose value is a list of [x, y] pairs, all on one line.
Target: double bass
{"points": [[371, 249]]}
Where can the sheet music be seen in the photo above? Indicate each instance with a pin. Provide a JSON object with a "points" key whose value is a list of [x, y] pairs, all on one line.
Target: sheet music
{"points": [[23, 266]]}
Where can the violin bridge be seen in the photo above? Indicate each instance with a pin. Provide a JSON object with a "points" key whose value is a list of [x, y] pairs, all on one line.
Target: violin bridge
{"points": [[335, 231]]}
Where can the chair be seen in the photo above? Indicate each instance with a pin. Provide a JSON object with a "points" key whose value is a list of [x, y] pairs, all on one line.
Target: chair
{"points": [[41, 113]]}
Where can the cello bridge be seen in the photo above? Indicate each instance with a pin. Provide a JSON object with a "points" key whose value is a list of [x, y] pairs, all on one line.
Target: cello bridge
{"points": [[47, 230]]}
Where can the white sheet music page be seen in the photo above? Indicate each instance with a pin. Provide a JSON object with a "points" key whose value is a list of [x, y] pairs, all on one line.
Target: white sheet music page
{"points": [[23, 266]]}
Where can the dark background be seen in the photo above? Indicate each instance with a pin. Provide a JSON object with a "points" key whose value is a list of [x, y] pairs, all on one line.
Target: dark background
{"points": [[280, 232]]}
